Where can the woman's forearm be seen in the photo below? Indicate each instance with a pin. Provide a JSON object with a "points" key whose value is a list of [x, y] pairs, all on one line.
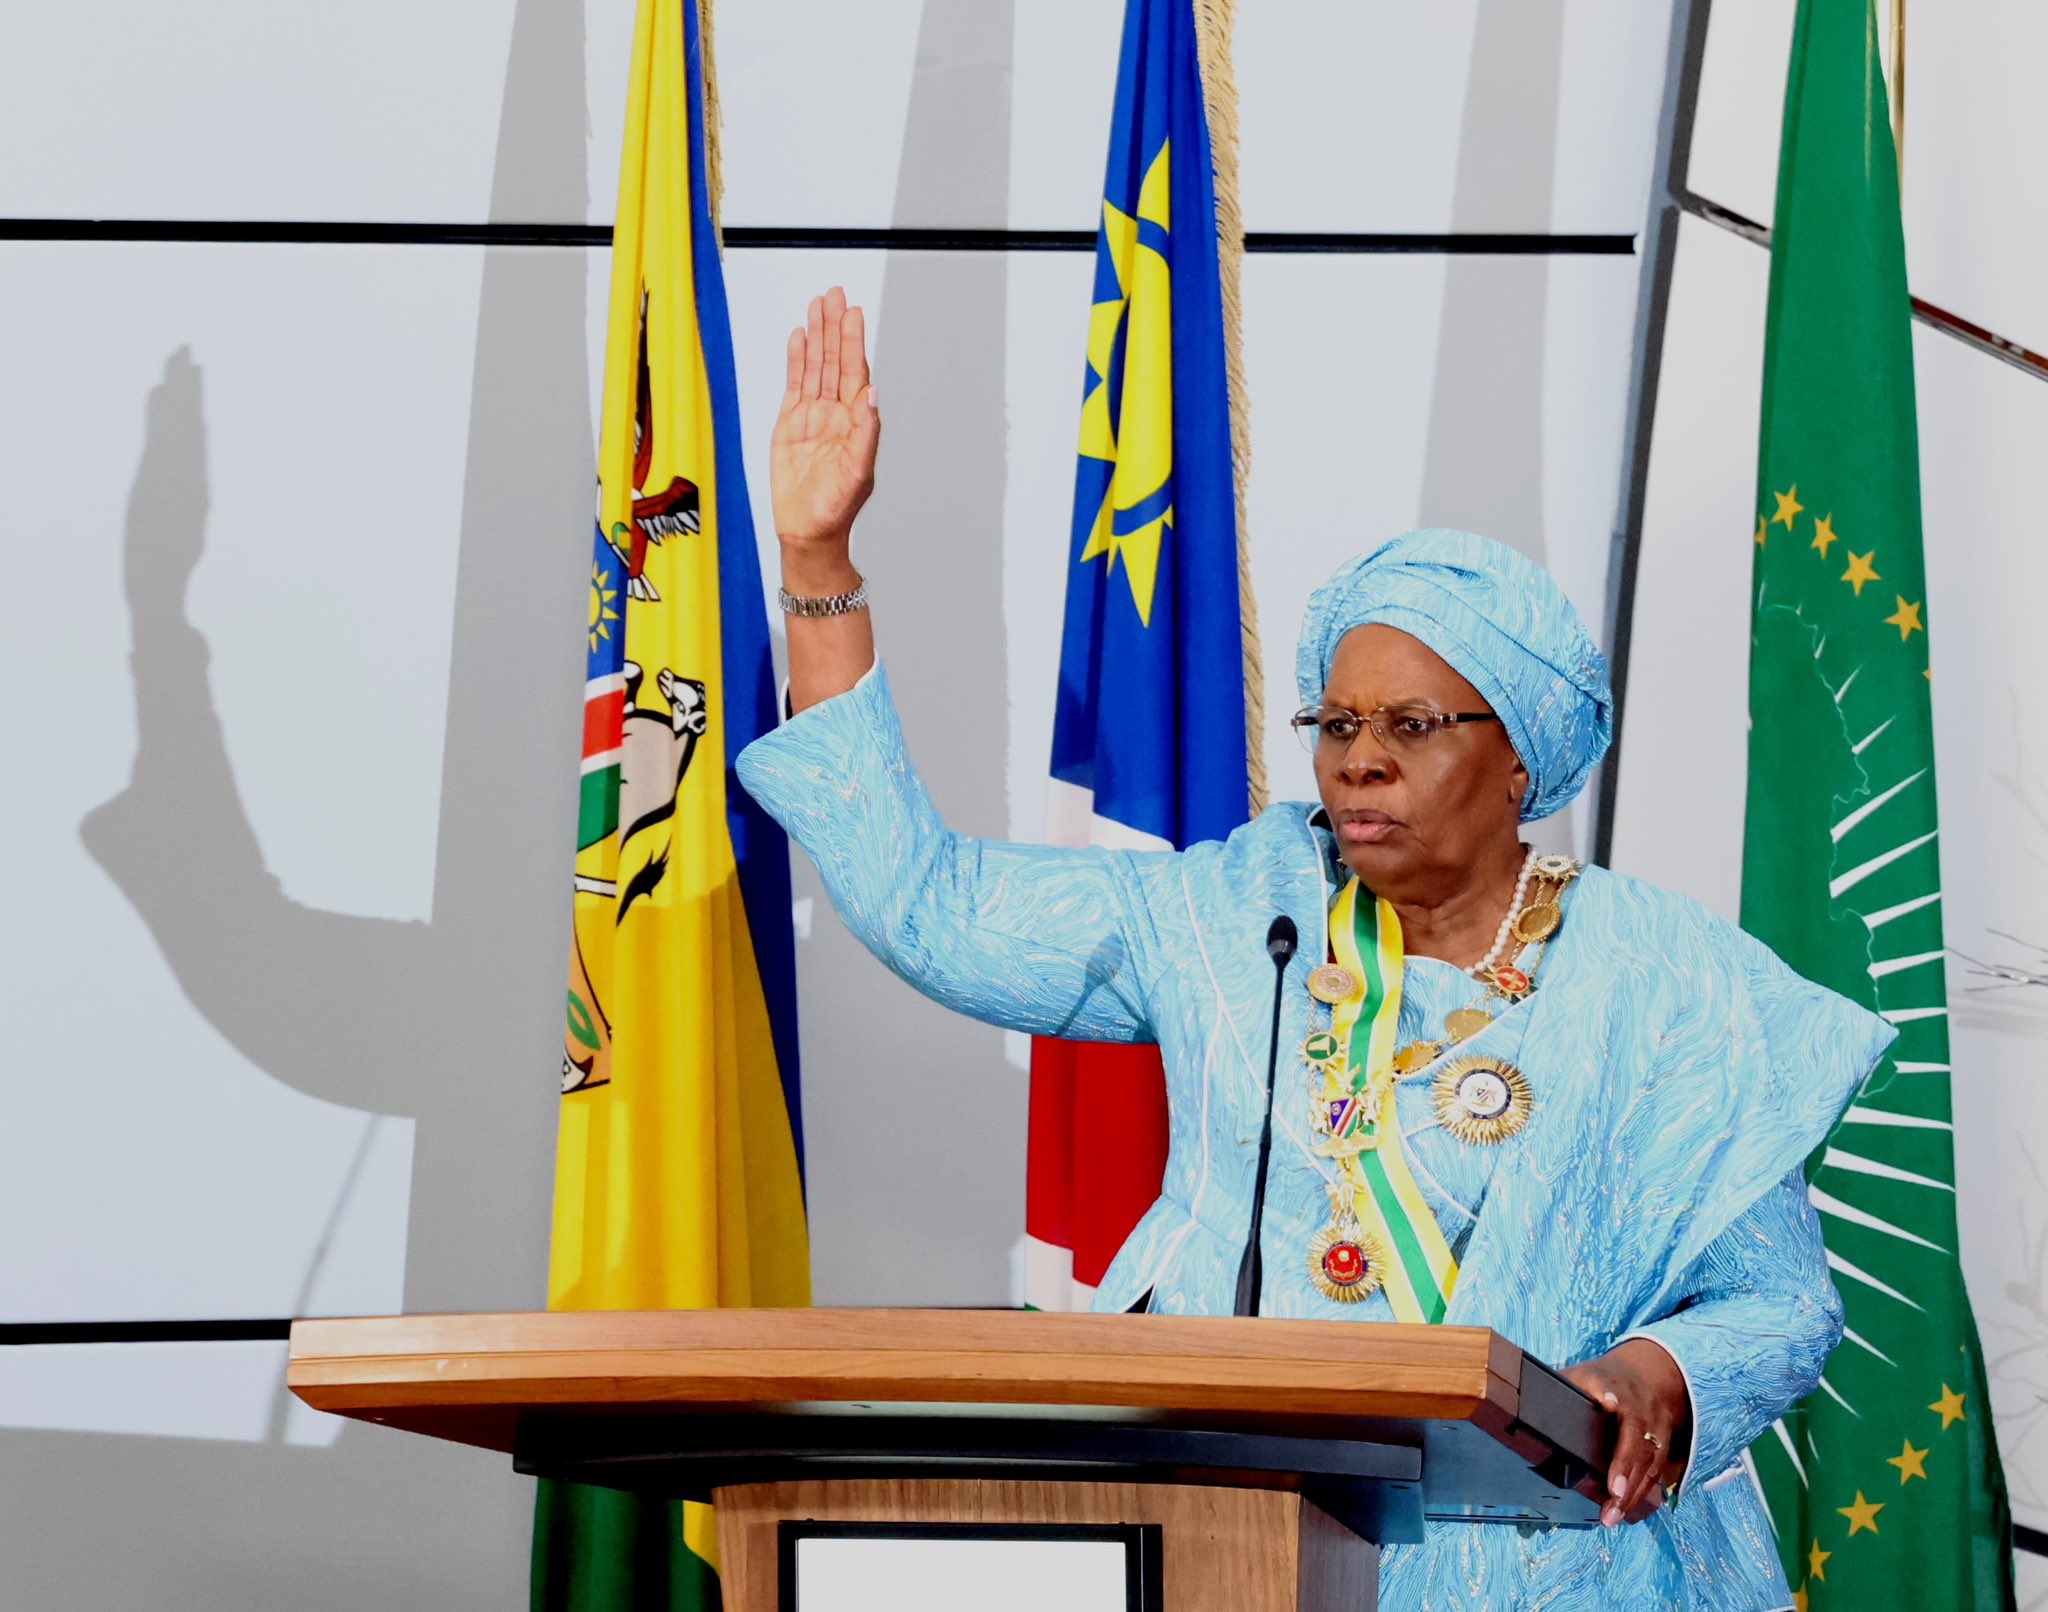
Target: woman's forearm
{"points": [[827, 654], [1036, 938]]}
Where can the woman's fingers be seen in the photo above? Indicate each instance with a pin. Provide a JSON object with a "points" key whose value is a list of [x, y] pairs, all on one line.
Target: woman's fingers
{"points": [[814, 347], [1648, 1499], [1646, 1489], [1619, 1488], [853, 356], [867, 434], [834, 313], [1635, 1475], [794, 379], [1628, 1474]]}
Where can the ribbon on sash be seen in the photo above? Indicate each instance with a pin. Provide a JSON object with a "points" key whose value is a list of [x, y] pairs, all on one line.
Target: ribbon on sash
{"points": [[1358, 1105]]}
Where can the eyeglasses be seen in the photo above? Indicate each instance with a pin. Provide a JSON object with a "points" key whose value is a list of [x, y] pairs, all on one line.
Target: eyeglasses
{"points": [[1403, 729]]}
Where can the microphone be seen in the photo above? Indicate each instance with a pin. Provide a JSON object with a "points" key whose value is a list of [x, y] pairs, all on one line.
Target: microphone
{"points": [[1281, 940]]}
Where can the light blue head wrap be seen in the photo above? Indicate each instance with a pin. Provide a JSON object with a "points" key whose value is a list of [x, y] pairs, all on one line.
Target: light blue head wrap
{"points": [[1502, 623]]}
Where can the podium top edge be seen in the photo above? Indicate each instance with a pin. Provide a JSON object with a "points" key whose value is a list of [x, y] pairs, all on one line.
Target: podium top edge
{"points": [[478, 1378], [504, 1334]]}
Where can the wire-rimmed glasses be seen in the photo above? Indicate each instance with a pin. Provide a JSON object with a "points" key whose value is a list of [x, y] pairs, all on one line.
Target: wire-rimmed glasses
{"points": [[1402, 729]]}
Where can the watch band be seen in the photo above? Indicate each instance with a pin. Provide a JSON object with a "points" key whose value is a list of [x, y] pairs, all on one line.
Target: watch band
{"points": [[836, 604]]}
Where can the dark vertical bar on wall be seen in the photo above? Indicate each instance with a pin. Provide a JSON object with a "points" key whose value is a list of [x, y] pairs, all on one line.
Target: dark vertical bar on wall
{"points": [[1660, 255]]}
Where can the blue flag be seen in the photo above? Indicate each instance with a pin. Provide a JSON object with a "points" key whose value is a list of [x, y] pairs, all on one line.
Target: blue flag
{"points": [[1150, 742], [1151, 712]]}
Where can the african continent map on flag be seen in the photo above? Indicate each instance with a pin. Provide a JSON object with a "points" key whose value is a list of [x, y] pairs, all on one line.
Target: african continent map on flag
{"points": [[677, 1181], [1884, 1486]]}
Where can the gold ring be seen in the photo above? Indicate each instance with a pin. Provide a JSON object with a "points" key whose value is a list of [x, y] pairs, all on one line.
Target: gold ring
{"points": [[1651, 1438]]}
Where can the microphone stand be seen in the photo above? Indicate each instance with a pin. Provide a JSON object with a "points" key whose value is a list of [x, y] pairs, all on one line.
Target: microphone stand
{"points": [[1281, 940]]}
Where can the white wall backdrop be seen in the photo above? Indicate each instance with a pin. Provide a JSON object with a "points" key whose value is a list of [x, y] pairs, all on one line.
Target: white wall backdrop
{"points": [[293, 664], [1358, 114]]}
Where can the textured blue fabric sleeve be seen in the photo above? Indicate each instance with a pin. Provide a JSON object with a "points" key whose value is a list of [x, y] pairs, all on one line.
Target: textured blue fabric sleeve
{"points": [[1031, 937], [1759, 1322]]}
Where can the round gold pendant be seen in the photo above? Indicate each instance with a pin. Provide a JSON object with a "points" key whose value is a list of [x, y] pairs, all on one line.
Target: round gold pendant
{"points": [[1345, 1262], [1482, 1100], [1537, 921], [1333, 983], [1553, 866], [1466, 1022]]}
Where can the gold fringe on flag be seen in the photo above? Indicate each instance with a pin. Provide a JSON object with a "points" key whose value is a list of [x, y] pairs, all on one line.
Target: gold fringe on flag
{"points": [[714, 176], [1215, 22]]}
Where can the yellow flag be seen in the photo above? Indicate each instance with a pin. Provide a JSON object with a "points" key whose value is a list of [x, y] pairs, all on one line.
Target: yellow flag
{"points": [[677, 1172]]}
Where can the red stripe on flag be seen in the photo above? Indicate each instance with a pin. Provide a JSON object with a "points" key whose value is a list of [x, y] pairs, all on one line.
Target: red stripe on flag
{"points": [[604, 721], [1097, 1151]]}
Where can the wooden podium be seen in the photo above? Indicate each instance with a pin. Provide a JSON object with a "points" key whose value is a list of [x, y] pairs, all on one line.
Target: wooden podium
{"points": [[1260, 1462]]}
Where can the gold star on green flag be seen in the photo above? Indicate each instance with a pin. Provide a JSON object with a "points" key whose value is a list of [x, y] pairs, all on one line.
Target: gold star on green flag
{"points": [[1841, 864], [1911, 1463]]}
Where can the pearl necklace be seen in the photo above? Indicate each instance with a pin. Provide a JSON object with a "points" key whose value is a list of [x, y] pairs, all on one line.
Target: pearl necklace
{"points": [[1480, 969]]}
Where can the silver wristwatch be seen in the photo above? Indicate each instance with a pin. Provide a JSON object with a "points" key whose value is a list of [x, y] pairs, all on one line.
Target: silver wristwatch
{"points": [[836, 604]]}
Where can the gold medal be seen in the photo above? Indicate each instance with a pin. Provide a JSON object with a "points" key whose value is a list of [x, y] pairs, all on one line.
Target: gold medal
{"points": [[1466, 1022], [1320, 1048], [1416, 1055], [1482, 1100], [1537, 921], [1348, 1121], [1345, 1261], [1333, 983], [1511, 982]]}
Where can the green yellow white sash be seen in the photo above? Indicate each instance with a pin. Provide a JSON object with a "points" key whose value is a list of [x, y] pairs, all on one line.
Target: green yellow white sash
{"points": [[1365, 938]]}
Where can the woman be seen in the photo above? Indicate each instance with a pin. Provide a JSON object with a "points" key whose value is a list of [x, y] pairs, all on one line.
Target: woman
{"points": [[1530, 1096]]}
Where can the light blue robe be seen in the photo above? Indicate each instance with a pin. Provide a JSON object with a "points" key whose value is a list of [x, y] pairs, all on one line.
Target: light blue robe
{"points": [[1681, 1075]]}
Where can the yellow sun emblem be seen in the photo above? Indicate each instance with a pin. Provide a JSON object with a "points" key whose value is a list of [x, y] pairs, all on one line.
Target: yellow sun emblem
{"points": [[603, 607]]}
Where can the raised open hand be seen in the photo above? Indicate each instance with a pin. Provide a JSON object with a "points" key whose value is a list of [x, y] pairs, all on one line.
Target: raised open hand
{"points": [[822, 457]]}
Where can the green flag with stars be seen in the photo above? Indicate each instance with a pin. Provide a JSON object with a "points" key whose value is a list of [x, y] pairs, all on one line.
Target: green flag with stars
{"points": [[1884, 1487]]}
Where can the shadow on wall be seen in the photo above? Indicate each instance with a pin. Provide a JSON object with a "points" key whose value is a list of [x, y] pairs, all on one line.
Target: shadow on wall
{"points": [[448, 1021], [1483, 465], [1483, 459], [915, 1121], [455, 1021]]}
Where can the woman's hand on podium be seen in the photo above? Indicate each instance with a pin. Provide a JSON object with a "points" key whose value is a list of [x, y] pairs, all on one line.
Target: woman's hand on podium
{"points": [[1640, 1382]]}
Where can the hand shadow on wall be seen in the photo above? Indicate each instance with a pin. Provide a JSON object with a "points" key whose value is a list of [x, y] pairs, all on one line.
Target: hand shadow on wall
{"points": [[451, 1021]]}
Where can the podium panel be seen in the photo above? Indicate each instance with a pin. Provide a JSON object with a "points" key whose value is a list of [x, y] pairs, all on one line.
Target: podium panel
{"points": [[1221, 1550], [1010, 1567]]}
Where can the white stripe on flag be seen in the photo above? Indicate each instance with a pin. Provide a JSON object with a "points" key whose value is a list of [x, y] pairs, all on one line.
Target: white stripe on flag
{"points": [[1070, 819], [1042, 1276]]}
